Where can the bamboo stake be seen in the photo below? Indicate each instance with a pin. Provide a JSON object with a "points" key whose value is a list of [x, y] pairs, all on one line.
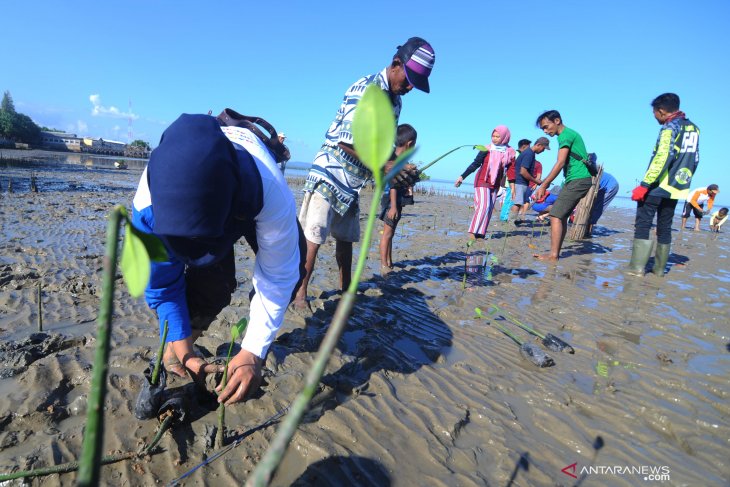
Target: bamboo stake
{"points": [[583, 210]]}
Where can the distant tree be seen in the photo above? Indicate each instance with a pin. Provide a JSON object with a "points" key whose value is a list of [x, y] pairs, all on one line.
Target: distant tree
{"points": [[6, 124], [7, 104], [16, 126], [48, 129], [140, 143], [26, 130]]}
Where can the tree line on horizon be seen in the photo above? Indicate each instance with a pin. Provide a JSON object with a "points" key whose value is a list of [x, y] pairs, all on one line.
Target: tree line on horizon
{"points": [[19, 127]]}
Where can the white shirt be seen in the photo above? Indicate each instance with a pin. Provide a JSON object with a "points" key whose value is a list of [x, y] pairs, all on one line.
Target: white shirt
{"points": [[276, 270]]}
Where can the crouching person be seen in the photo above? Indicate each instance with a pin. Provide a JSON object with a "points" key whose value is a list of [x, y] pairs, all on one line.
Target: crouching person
{"points": [[210, 182]]}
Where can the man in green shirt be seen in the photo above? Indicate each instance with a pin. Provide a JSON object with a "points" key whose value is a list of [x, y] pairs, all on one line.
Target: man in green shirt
{"points": [[577, 178]]}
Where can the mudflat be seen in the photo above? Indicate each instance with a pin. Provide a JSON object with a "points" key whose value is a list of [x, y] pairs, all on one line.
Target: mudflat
{"points": [[419, 391]]}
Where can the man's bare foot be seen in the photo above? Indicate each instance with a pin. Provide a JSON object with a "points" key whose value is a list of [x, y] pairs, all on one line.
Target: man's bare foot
{"points": [[545, 257]]}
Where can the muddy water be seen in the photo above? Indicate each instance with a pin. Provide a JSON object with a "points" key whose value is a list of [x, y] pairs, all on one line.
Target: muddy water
{"points": [[419, 392]]}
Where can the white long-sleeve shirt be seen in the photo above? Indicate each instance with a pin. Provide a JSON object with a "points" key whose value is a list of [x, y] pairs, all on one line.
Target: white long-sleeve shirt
{"points": [[276, 269]]}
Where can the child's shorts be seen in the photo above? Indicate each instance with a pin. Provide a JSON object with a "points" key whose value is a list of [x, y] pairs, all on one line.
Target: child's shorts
{"points": [[384, 207]]}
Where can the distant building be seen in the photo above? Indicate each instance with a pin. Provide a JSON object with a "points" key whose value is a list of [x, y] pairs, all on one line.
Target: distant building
{"points": [[103, 146], [60, 141], [136, 151]]}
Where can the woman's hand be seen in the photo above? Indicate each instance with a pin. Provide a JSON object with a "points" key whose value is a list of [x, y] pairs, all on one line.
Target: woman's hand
{"points": [[244, 375], [458, 182]]}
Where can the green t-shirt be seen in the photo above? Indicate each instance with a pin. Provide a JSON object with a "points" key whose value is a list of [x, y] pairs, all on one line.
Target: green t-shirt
{"points": [[575, 168]]}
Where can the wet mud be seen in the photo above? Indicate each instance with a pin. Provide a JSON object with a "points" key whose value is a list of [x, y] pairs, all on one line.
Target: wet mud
{"points": [[419, 390]]}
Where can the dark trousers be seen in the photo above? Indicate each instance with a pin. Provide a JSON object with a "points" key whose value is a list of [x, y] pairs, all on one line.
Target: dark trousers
{"points": [[209, 289], [663, 208]]}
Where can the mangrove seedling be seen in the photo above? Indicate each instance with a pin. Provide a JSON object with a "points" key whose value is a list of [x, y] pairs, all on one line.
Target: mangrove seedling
{"points": [[504, 244], [40, 309], [138, 249], [160, 351], [530, 351], [236, 331], [478, 147], [550, 341], [469, 243]]}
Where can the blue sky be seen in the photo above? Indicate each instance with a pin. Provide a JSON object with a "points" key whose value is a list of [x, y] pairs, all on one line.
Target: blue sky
{"points": [[76, 66]]}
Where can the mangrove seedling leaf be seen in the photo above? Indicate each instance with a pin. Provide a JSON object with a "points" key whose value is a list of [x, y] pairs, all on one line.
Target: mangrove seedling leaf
{"points": [[469, 243], [135, 262], [373, 129], [481, 148], [155, 248], [478, 312], [238, 328]]}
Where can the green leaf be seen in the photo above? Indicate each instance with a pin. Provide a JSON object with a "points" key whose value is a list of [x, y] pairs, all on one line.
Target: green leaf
{"points": [[469, 243], [373, 129], [135, 262], [481, 148], [478, 312], [238, 328], [154, 246]]}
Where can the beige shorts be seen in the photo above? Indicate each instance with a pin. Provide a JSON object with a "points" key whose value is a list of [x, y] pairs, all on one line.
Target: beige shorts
{"points": [[318, 220]]}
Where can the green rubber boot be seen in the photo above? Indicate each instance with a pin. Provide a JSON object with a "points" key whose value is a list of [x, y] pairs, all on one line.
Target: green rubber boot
{"points": [[661, 256], [639, 256]]}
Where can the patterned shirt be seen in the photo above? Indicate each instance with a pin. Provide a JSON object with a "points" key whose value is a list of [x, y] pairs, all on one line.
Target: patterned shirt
{"points": [[334, 174]]}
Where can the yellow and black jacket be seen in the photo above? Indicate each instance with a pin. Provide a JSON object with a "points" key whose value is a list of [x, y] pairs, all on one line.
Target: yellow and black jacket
{"points": [[674, 160]]}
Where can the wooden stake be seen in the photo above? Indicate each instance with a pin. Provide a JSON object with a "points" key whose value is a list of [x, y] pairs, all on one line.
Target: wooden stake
{"points": [[40, 309]]}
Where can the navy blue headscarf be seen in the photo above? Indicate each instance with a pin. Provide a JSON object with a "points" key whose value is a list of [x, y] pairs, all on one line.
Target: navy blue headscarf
{"points": [[195, 178]]}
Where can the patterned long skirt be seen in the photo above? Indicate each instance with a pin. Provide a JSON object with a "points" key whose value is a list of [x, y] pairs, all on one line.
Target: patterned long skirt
{"points": [[484, 199]]}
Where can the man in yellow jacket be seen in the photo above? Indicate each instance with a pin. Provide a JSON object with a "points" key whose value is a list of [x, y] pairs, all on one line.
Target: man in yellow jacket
{"points": [[667, 179]]}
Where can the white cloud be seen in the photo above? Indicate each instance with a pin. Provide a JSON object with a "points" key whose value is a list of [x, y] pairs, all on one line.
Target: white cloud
{"points": [[81, 127], [110, 111]]}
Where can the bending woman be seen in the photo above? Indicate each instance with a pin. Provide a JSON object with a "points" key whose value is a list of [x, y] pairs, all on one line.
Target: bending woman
{"points": [[490, 165]]}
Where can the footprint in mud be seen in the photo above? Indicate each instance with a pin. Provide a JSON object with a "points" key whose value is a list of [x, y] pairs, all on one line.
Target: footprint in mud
{"points": [[20, 354]]}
